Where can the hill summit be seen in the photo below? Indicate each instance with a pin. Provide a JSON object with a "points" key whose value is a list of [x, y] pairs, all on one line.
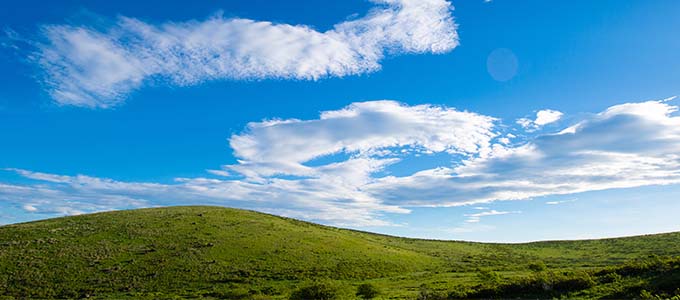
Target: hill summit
{"points": [[237, 254]]}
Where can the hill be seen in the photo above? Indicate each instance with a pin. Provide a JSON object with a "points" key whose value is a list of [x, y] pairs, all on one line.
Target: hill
{"points": [[236, 254]]}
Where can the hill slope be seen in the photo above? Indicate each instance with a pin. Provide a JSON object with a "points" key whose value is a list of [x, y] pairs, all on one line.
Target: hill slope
{"points": [[230, 253]]}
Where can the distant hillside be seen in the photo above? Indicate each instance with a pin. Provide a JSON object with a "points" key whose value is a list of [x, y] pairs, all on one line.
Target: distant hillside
{"points": [[237, 254]]}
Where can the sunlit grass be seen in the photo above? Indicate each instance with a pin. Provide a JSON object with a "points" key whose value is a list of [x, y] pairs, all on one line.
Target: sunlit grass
{"points": [[229, 253]]}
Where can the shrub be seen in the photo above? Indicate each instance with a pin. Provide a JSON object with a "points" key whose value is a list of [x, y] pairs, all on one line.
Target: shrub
{"points": [[460, 293], [538, 266], [488, 276], [426, 293], [646, 295], [610, 278], [367, 291], [321, 290], [573, 281]]}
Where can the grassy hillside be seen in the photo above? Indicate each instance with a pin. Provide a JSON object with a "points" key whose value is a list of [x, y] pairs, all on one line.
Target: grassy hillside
{"points": [[229, 253]]}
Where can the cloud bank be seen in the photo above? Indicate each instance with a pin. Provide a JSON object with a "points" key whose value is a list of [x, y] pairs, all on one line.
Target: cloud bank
{"points": [[628, 145], [339, 168], [92, 67]]}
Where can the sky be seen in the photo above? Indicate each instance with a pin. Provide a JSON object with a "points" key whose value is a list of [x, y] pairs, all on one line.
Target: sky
{"points": [[498, 121]]}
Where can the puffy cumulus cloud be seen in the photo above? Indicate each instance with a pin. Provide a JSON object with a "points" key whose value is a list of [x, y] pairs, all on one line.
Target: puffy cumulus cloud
{"points": [[547, 116], [627, 145], [336, 169], [543, 117], [364, 129], [91, 67]]}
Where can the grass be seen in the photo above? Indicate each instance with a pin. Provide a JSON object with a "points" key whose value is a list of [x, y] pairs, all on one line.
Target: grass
{"points": [[181, 252]]}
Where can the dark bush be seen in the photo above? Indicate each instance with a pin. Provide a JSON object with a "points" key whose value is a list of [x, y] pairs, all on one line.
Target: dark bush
{"points": [[541, 285], [321, 290], [367, 291], [610, 278], [573, 282], [460, 293]]}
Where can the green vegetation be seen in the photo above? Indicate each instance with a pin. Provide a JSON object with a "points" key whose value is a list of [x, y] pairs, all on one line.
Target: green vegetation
{"points": [[234, 254], [631, 280], [324, 290], [367, 291]]}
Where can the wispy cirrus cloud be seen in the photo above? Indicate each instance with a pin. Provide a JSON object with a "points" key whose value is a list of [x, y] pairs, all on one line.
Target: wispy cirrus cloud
{"points": [[476, 217], [321, 199], [99, 67], [336, 169], [560, 202]]}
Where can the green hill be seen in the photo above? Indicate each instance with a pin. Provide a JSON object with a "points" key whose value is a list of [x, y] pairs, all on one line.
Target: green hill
{"points": [[237, 254]]}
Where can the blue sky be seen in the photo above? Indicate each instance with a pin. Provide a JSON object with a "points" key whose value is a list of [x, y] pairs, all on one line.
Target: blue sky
{"points": [[493, 121]]}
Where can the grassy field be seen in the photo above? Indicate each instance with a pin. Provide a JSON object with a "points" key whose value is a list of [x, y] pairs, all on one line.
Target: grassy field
{"points": [[181, 252]]}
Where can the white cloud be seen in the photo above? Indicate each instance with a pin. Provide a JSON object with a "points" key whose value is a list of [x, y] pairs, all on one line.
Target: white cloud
{"points": [[627, 145], [543, 117], [473, 222], [364, 129], [91, 67], [476, 217], [274, 162], [547, 116], [488, 213], [29, 208], [335, 169], [560, 202], [327, 199]]}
